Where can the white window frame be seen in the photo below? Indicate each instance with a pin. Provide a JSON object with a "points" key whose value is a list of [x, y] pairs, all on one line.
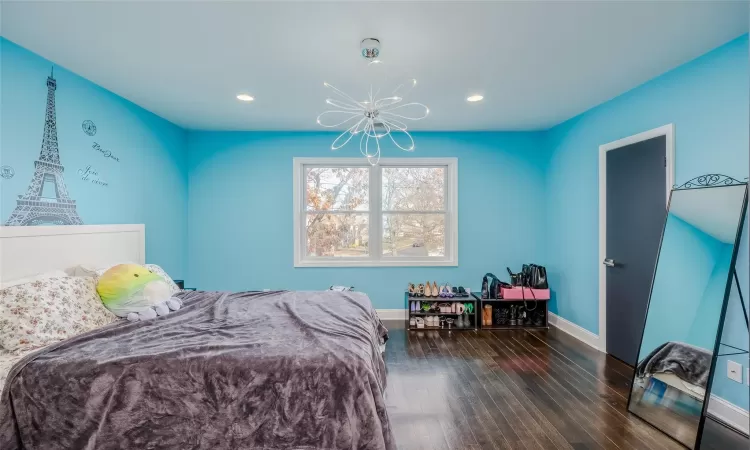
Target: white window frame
{"points": [[375, 257]]}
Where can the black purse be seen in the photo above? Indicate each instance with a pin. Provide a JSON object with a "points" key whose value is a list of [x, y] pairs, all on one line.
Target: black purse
{"points": [[531, 276], [492, 287], [534, 276]]}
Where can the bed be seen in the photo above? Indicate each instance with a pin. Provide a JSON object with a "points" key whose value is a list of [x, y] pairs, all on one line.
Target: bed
{"points": [[227, 371], [679, 365]]}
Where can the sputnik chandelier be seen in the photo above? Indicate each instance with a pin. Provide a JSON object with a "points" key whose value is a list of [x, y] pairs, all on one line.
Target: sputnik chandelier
{"points": [[376, 117]]}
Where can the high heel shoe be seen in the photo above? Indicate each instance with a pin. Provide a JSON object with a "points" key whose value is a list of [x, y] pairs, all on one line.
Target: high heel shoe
{"points": [[420, 290], [443, 292], [435, 290], [412, 290], [427, 290]]}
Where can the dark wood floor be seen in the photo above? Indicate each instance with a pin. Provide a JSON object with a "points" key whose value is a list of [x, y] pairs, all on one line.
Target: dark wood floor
{"points": [[515, 390]]}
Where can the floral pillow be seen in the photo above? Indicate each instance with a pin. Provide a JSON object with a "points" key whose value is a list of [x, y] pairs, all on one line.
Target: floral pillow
{"points": [[43, 312]]}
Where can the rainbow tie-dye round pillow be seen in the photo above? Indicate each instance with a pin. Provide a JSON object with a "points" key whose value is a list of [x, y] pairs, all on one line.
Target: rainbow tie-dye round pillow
{"points": [[132, 291]]}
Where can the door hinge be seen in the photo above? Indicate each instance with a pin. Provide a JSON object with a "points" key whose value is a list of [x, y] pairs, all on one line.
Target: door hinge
{"points": [[665, 161]]}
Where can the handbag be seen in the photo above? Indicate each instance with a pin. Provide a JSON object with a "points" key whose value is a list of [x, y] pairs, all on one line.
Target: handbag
{"points": [[492, 287], [534, 276], [531, 276]]}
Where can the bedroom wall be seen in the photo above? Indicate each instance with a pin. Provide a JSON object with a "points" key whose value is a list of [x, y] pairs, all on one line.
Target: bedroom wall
{"points": [[687, 263], [707, 311], [707, 99], [131, 170], [735, 333], [240, 215]]}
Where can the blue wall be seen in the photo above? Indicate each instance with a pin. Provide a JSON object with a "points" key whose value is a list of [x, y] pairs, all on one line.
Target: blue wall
{"points": [[707, 99], [709, 310], [149, 183], [240, 189], [682, 306], [735, 333]]}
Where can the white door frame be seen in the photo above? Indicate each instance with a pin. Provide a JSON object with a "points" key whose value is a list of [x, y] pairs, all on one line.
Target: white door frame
{"points": [[668, 132]]}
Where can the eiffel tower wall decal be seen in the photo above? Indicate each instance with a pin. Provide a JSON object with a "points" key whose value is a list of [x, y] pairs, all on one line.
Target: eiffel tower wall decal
{"points": [[46, 201]]}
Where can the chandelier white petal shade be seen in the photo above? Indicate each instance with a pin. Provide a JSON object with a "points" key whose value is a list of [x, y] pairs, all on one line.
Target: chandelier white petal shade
{"points": [[374, 118]]}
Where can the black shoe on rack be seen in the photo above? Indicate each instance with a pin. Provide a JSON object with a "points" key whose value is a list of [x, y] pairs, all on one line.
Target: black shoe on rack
{"points": [[539, 319], [513, 316], [502, 318]]}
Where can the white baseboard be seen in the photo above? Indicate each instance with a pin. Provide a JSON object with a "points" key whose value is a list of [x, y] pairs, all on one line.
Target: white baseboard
{"points": [[718, 407], [392, 314], [574, 330], [729, 413]]}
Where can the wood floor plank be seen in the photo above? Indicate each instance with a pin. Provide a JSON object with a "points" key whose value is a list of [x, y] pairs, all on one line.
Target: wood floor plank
{"points": [[604, 400], [586, 433], [516, 390], [528, 419], [579, 396]]}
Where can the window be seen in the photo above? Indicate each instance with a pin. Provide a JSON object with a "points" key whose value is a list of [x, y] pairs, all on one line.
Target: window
{"points": [[402, 212]]}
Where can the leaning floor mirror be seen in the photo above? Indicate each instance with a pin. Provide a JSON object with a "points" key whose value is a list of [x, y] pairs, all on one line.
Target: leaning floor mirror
{"points": [[689, 293]]}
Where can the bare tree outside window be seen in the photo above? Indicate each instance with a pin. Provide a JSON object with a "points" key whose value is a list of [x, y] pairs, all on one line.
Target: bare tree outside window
{"points": [[413, 211], [338, 211], [401, 212]]}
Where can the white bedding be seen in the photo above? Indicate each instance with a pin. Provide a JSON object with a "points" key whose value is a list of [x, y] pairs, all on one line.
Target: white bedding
{"points": [[673, 380]]}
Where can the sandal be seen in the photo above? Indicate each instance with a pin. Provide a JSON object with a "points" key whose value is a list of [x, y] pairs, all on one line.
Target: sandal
{"points": [[412, 291], [420, 290], [442, 292], [449, 291]]}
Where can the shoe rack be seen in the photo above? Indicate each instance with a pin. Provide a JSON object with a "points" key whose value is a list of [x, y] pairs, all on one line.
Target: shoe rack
{"points": [[537, 318], [444, 318]]}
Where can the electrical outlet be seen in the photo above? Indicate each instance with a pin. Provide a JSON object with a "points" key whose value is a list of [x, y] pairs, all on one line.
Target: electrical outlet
{"points": [[734, 371]]}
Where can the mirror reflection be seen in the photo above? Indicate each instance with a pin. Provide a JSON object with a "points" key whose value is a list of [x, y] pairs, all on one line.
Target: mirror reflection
{"points": [[684, 312]]}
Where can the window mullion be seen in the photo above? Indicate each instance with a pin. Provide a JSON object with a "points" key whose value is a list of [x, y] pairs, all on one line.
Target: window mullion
{"points": [[376, 220]]}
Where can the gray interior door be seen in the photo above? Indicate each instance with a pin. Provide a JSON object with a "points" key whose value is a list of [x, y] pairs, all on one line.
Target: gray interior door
{"points": [[636, 210]]}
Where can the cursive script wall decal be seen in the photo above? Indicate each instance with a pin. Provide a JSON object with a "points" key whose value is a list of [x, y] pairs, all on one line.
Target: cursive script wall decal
{"points": [[92, 175], [106, 153]]}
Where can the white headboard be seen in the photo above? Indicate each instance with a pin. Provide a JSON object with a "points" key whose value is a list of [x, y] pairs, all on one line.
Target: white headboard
{"points": [[27, 251]]}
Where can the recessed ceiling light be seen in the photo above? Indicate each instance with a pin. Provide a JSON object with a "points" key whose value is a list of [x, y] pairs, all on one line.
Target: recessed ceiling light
{"points": [[474, 98], [245, 97]]}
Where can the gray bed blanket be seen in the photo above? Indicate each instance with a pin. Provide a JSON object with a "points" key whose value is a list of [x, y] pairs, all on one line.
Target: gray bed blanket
{"points": [[271, 370], [687, 362]]}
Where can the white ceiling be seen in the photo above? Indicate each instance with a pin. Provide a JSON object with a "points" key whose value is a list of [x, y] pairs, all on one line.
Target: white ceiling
{"points": [[536, 63], [714, 211]]}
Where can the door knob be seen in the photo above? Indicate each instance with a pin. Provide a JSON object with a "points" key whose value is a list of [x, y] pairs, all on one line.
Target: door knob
{"points": [[609, 262]]}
